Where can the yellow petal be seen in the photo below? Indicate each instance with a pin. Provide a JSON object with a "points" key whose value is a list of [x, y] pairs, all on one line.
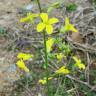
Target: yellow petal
{"points": [[76, 59], [35, 15], [26, 69], [67, 28], [81, 66], [67, 21], [49, 44], [44, 17], [24, 19], [41, 81], [60, 56], [78, 63], [21, 65], [29, 17], [44, 81], [67, 24], [50, 78], [53, 21], [62, 70], [32, 15], [40, 27], [72, 28], [49, 29], [24, 56]]}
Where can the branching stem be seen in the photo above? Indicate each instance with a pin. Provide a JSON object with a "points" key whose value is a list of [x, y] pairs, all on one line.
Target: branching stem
{"points": [[45, 51]]}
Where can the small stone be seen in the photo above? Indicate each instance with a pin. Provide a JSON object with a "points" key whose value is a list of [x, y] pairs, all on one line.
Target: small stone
{"points": [[29, 7]]}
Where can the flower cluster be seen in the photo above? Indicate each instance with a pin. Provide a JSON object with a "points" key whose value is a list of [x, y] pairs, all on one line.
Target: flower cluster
{"points": [[44, 81], [63, 70], [46, 25], [60, 56], [78, 63], [23, 57], [68, 26], [29, 18]]}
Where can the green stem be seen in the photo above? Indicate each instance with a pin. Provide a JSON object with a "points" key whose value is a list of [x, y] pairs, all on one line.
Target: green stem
{"points": [[46, 63], [38, 2], [45, 51]]}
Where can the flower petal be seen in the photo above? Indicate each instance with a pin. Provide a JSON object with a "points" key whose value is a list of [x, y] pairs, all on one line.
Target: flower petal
{"points": [[32, 15], [53, 21], [21, 65], [62, 70], [26, 69], [49, 44], [59, 56], [44, 17], [29, 17], [22, 20], [80, 65], [72, 28], [76, 60], [24, 56], [67, 21], [40, 27], [49, 29], [66, 28], [44, 81]]}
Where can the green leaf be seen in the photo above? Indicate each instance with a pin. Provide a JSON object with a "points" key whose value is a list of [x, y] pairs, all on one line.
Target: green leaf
{"points": [[49, 10], [56, 4], [2, 31], [62, 29], [71, 7]]}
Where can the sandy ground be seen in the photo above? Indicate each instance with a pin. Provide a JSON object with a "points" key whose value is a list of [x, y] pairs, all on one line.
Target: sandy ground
{"points": [[8, 19]]}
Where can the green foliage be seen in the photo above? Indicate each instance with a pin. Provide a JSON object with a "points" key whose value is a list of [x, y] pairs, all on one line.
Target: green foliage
{"points": [[93, 1], [86, 91], [71, 7], [62, 46], [2, 31], [25, 81], [54, 5]]}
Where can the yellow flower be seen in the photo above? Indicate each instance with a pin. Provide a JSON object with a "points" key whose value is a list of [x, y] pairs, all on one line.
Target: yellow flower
{"points": [[30, 17], [78, 63], [62, 70], [49, 44], [46, 23], [44, 81], [59, 56], [68, 26], [21, 64], [24, 56]]}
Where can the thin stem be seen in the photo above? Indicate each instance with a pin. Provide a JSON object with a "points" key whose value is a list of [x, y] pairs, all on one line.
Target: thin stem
{"points": [[46, 63], [45, 51], [38, 2]]}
